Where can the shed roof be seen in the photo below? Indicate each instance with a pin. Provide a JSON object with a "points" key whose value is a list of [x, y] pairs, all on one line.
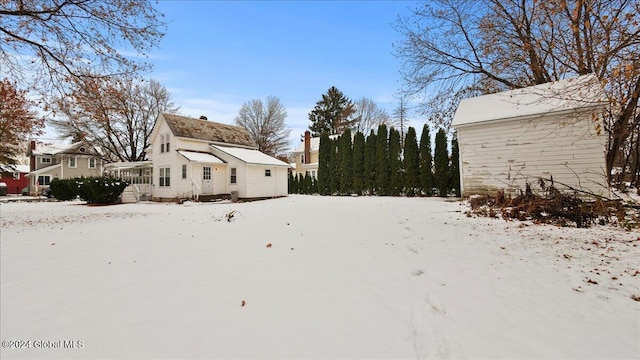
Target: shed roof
{"points": [[186, 127], [250, 156], [582, 92]]}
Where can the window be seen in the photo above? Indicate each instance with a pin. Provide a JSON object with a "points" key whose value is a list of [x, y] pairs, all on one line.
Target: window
{"points": [[72, 162], [267, 172], [206, 173], [44, 180], [184, 171], [45, 160], [165, 177], [92, 163], [164, 143], [302, 159], [16, 175], [233, 175]]}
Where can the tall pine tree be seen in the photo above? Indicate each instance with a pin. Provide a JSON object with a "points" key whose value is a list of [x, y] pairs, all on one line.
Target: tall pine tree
{"points": [[358, 163], [324, 163], [333, 113], [345, 151], [454, 178], [441, 163], [395, 163], [383, 182], [411, 163], [370, 163], [427, 182]]}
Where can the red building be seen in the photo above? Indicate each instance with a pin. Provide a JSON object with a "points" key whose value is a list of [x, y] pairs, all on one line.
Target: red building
{"points": [[15, 176]]}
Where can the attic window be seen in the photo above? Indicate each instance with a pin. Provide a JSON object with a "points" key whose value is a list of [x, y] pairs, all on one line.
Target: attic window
{"points": [[82, 149]]}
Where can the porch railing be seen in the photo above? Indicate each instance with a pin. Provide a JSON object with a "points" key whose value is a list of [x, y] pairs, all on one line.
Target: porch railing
{"points": [[195, 188]]}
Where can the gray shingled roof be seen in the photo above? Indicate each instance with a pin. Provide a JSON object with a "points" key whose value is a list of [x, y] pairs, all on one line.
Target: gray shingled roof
{"points": [[182, 126]]}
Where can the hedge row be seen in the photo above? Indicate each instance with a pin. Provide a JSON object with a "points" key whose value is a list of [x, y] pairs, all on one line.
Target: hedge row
{"points": [[93, 190]]}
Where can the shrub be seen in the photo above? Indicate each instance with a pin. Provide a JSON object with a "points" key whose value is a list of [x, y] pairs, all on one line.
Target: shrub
{"points": [[101, 190], [64, 190]]}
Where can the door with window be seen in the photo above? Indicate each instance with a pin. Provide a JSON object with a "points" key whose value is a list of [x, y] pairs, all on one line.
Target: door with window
{"points": [[207, 184]]}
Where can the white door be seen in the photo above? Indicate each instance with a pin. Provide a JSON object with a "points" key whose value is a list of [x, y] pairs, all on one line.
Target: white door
{"points": [[207, 184]]}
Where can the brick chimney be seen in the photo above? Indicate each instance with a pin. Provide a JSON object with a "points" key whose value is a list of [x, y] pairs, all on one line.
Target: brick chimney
{"points": [[32, 158], [307, 147]]}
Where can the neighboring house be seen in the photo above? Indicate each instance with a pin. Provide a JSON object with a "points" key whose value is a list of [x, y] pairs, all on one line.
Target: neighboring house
{"points": [[15, 177], [546, 131], [48, 161], [192, 158], [306, 156]]}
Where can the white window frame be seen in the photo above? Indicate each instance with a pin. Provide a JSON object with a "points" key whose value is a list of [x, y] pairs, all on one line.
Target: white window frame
{"points": [[44, 182], [302, 159], [91, 164], [164, 177], [184, 171], [167, 138], [206, 173], [75, 162], [45, 160], [233, 175], [162, 143], [267, 172]]}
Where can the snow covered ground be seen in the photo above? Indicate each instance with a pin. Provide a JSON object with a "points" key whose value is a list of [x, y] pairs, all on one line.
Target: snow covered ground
{"points": [[344, 277]]}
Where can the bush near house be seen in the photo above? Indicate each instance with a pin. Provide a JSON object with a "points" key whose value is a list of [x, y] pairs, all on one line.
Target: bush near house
{"points": [[101, 190], [65, 189]]}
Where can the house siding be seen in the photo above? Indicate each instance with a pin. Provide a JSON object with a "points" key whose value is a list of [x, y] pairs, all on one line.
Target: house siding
{"points": [[165, 160], [260, 185], [508, 154]]}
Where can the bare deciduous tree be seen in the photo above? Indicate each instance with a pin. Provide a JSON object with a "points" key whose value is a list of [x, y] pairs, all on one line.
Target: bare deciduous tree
{"points": [[116, 114], [17, 122], [265, 123], [485, 46], [369, 116], [49, 42]]}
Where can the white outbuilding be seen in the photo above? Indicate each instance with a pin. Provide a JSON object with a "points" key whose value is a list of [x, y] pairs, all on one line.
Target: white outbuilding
{"points": [[549, 131]]}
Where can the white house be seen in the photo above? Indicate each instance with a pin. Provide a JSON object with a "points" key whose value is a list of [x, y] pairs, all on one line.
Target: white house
{"points": [[546, 131], [197, 158]]}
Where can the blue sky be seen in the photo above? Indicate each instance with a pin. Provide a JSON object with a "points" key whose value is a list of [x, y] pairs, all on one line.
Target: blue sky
{"points": [[217, 55]]}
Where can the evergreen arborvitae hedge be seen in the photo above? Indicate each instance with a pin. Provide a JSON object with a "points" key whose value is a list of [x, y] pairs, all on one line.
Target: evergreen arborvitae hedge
{"points": [[454, 178], [427, 181], [441, 163], [345, 151], [395, 163], [293, 188], [334, 165], [383, 182], [358, 163], [324, 169], [370, 147], [411, 163]]}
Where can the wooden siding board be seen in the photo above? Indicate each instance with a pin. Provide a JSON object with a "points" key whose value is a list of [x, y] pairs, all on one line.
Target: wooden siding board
{"points": [[502, 155]]}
